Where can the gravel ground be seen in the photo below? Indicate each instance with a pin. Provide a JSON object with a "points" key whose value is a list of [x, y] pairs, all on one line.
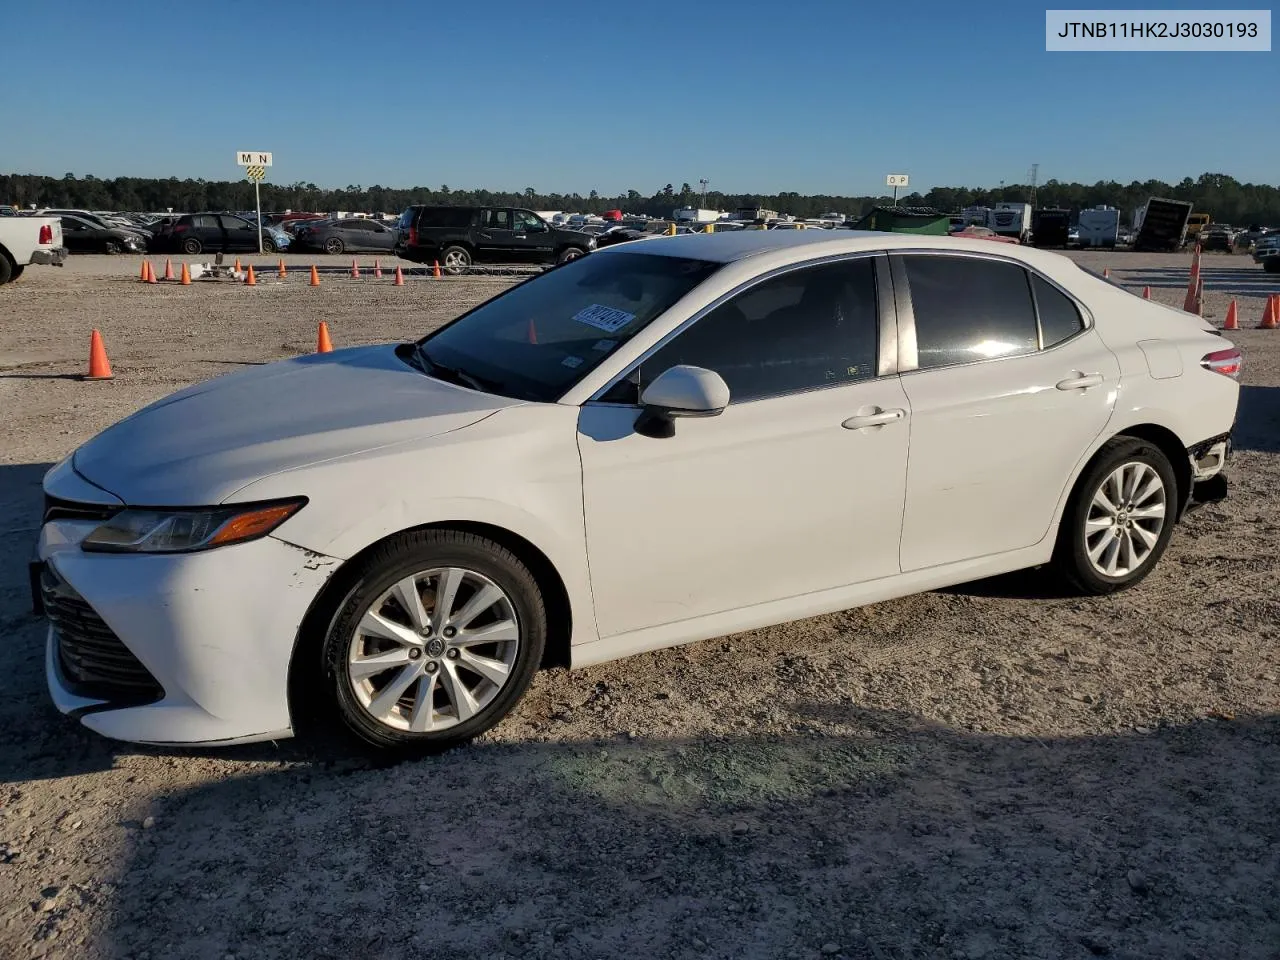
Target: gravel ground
{"points": [[989, 771]]}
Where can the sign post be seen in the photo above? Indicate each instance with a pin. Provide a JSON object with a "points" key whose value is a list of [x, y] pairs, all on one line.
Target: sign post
{"points": [[896, 180], [255, 163]]}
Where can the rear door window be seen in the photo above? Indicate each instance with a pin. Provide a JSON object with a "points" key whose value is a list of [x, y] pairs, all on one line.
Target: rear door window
{"points": [[1059, 318], [453, 218], [969, 308]]}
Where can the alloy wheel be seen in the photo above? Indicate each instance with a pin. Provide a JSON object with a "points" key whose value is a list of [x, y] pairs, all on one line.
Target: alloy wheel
{"points": [[1125, 518], [434, 650]]}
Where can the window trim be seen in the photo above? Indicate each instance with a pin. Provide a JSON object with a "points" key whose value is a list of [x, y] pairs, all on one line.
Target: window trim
{"points": [[908, 356], [887, 320]]}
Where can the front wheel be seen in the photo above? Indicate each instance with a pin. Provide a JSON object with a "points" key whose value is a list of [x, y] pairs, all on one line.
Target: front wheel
{"points": [[8, 270], [111, 246], [437, 641], [570, 253], [1120, 518]]}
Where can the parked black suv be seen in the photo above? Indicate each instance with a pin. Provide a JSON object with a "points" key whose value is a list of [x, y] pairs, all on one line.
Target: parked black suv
{"points": [[457, 237]]}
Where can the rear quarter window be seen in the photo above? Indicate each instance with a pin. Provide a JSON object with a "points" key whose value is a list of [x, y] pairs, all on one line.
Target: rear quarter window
{"points": [[448, 217]]}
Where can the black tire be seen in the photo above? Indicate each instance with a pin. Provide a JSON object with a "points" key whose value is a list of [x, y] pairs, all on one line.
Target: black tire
{"points": [[571, 253], [7, 270], [455, 260], [268, 245], [1071, 560], [112, 246], [334, 245], [401, 557], [16, 272], [191, 245], [1272, 265]]}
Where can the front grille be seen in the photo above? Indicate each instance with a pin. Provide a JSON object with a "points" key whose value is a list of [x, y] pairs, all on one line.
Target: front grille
{"points": [[56, 508], [94, 662]]}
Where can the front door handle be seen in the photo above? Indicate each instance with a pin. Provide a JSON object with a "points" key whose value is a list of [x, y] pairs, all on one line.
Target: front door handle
{"points": [[877, 419], [1082, 382]]}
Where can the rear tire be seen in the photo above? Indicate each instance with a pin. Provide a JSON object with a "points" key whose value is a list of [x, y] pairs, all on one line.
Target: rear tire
{"points": [[16, 272], [268, 245], [7, 270], [1119, 520], [455, 260], [334, 245], [191, 245], [434, 688]]}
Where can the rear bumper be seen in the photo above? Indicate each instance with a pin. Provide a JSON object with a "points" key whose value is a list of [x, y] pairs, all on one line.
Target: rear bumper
{"points": [[1208, 481], [50, 258]]}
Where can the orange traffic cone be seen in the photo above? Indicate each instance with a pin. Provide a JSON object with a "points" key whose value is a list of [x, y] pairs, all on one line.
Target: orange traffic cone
{"points": [[323, 343], [1199, 296], [1146, 293], [249, 279], [1106, 273], [377, 269], [168, 269], [99, 366], [1232, 322], [186, 276], [435, 269], [142, 274], [315, 276], [1189, 301], [151, 273], [399, 277], [355, 269], [238, 267], [283, 272], [1269, 319]]}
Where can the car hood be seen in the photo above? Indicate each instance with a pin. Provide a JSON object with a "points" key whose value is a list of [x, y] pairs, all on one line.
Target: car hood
{"points": [[200, 445]]}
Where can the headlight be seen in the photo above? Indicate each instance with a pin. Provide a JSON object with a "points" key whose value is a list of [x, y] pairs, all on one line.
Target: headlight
{"points": [[179, 531]]}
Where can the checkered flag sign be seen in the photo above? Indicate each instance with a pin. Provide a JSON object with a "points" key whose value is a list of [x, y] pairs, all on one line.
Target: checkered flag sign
{"points": [[255, 173]]}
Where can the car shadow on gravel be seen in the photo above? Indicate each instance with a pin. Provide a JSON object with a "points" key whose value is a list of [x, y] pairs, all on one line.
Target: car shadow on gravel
{"points": [[1258, 420], [870, 834]]}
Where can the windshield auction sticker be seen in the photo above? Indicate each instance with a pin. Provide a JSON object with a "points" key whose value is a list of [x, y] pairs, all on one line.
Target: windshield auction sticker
{"points": [[1151, 31], [608, 319]]}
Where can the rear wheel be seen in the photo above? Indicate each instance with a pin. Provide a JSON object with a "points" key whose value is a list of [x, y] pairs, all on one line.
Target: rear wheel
{"points": [[8, 270], [334, 245], [16, 272], [268, 245], [437, 641], [1120, 518], [191, 245], [455, 260]]}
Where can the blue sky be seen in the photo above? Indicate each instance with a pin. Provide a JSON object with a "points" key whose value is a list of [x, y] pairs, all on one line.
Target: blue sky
{"points": [[816, 96]]}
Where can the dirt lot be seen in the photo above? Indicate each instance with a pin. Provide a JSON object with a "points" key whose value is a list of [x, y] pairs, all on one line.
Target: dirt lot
{"points": [[991, 771]]}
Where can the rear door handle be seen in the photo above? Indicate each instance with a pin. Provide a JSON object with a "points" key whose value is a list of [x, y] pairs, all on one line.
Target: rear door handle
{"points": [[878, 419], [1082, 382]]}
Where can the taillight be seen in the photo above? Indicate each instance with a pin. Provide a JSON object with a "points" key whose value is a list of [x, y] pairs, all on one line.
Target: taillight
{"points": [[179, 228], [1225, 362], [413, 237], [46, 234]]}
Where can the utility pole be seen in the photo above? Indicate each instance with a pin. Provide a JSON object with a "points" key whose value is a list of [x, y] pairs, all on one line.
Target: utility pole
{"points": [[704, 181], [1035, 173]]}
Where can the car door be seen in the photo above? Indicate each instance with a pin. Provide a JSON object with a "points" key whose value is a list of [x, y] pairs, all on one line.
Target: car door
{"points": [[381, 238], [241, 235], [77, 234], [1009, 386], [532, 241], [495, 237], [796, 487]]}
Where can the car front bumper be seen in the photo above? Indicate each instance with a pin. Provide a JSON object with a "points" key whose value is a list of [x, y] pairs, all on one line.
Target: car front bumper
{"points": [[214, 630], [50, 258]]}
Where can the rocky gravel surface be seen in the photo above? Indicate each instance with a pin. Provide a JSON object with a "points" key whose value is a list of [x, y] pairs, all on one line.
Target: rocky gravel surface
{"points": [[991, 771]]}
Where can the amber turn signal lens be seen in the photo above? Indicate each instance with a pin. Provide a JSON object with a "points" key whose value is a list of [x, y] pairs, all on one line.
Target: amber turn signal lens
{"points": [[244, 526]]}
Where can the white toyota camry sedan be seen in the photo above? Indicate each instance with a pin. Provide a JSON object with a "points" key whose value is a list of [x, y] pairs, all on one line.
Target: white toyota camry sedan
{"points": [[659, 443]]}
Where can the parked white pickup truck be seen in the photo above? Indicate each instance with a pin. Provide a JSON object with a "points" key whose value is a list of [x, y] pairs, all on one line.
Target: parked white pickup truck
{"points": [[26, 240]]}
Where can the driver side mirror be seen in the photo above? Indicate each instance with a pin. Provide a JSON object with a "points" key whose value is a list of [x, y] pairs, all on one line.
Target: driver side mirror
{"points": [[680, 391]]}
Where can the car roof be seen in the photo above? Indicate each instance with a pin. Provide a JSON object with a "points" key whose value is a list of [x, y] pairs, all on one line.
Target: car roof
{"points": [[800, 245]]}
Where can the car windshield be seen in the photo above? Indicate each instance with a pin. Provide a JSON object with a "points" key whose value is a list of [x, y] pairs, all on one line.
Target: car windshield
{"points": [[538, 339]]}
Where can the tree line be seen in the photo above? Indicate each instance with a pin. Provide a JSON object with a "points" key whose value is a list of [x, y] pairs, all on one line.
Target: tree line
{"points": [[1222, 196]]}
